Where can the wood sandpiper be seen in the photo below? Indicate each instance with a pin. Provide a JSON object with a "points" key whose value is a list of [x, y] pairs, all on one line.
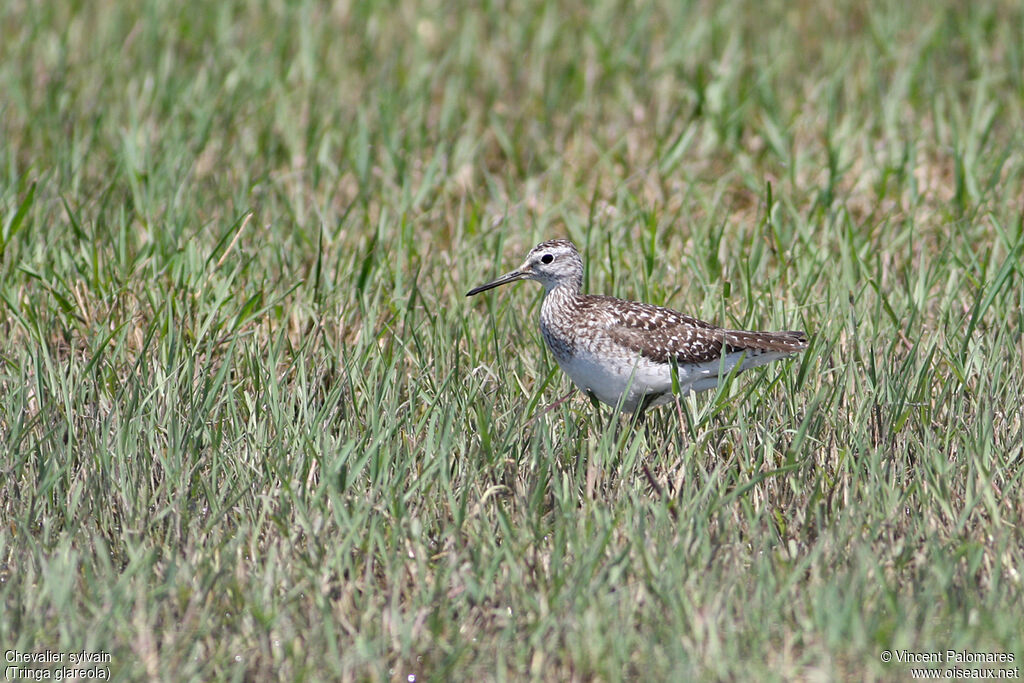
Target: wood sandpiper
{"points": [[623, 352]]}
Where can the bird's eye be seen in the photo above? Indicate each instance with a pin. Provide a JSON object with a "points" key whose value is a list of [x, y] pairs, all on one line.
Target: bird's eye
{"points": [[547, 258]]}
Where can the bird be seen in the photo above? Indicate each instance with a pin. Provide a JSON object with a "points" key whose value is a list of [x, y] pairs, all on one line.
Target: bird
{"points": [[625, 353]]}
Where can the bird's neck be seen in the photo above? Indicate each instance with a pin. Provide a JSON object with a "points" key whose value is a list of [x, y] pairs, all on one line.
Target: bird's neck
{"points": [[571, 286], [558, 312], [562, 293], [560, 303]]}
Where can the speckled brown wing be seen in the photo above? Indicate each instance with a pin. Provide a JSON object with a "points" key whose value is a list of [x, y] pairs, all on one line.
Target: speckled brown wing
{"points": [[660, 333]]}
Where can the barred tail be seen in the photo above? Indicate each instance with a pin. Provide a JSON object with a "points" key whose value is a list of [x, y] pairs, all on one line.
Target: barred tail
{"points": [[789, 341]]}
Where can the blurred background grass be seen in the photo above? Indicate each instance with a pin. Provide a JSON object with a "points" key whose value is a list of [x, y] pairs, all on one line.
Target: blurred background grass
{"points": [[252, 429]]}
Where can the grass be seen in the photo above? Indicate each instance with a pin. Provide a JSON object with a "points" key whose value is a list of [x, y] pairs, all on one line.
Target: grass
{"points": [[252, 429]]}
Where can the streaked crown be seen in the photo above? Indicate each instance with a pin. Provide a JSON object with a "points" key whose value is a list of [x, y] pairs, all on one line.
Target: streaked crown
{"points": [[554, 263]]}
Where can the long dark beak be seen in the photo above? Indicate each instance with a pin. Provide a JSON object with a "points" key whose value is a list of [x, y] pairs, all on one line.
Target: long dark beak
{"points": [[503, 280]]}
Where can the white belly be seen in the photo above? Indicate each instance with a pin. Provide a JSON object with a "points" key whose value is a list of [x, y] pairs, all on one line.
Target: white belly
{"points": [[607, 380], [637, 377]]}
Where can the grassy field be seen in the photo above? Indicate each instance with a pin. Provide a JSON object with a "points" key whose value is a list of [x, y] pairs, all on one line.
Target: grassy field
{"points": [[252, 429]]}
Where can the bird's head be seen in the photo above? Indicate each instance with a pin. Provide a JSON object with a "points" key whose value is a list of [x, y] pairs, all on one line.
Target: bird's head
{"points": [[551, 263]]}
